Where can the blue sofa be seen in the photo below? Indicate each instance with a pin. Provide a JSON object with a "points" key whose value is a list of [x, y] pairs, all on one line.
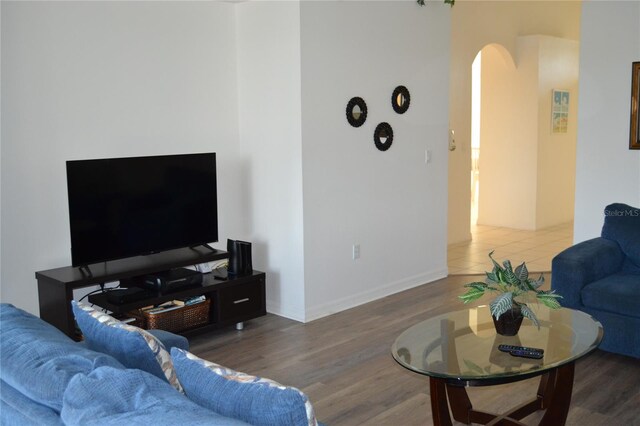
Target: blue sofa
{"points": [[601, 277], [47, 378]]}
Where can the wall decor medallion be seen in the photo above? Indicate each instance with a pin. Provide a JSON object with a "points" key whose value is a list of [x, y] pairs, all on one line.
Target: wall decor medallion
{"points": [[383, 136], [634, 137], [400, 99], [356, 111]]}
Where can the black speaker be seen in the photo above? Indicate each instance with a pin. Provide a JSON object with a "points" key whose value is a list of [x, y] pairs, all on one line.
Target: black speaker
{"points": [[239, 257]]}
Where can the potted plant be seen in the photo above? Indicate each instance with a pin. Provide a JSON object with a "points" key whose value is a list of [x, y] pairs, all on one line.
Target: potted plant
{"points": [[515, 289]]}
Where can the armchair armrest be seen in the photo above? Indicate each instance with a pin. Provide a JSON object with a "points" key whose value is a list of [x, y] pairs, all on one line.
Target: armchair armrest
{"points": [[582, 264]]}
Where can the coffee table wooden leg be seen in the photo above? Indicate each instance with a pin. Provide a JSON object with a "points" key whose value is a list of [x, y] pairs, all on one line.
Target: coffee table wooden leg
{"points": [[554, 395], [460, 404], [560, 399], [545, 389], [439, 405]]}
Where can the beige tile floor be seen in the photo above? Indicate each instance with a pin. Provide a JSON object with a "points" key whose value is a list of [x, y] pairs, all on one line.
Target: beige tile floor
{"points": [[536, 248]]}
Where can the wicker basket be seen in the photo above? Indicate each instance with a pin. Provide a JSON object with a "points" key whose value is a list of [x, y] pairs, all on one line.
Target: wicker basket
{"points": [[138, 320], [178, 319]]}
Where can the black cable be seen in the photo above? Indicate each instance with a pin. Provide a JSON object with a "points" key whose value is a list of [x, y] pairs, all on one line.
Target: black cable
{"points": [[101, 289]]}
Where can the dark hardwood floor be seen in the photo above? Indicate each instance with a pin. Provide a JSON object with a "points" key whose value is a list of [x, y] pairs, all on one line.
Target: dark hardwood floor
{"points": [[343, 362]]}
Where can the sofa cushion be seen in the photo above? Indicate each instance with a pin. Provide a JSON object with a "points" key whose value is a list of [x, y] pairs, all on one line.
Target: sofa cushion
{"points": [[132, 346], [108, 396], [618, 293], [38, 360], [259, 401], [170, 340], [622, 224], [18, 410]]}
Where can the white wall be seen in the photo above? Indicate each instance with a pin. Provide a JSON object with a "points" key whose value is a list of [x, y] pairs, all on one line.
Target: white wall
{"points": [[103, 79], [106, 79], [476, 24], [606, 170], [556, 167], [508, 137], [391, 203], [97, 79], [527, 174], [268, 40]]}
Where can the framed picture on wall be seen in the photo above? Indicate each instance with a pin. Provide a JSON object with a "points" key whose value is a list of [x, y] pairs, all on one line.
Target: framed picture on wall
{"points": [[559, 111], [634, 138]]}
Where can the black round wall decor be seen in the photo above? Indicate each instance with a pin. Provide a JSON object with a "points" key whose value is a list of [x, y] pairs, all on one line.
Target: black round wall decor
{"points": [[356, 111], [383, 136], [400, 99]]}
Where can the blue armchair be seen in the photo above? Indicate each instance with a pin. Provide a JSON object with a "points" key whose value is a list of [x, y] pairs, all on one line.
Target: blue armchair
{"points": [[601, 277]]}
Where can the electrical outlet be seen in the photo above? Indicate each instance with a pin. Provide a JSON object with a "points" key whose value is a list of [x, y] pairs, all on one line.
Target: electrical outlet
{"points": [[356, 251]]}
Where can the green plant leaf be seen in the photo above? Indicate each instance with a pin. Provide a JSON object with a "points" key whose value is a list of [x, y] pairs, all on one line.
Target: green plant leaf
{"points": [[507, 265], [514, 287], [530, 286], [509, 276], [471, 295], [491, 276], [477, 284], [537, 283], [518, 292], [496, 265], [549, 298], [522, 272], [534, 285], [549, 293], [528, 313], [501, 304]]}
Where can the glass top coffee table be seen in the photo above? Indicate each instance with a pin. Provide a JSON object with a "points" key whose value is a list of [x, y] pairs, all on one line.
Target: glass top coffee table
{"points": [[460, 349]]}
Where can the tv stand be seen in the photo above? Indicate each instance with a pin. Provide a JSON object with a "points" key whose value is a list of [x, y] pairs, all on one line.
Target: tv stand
{"points": [[233, 300]]}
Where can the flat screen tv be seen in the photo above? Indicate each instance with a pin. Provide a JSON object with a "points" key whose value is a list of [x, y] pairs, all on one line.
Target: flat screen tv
{"points": [[125, 207]]}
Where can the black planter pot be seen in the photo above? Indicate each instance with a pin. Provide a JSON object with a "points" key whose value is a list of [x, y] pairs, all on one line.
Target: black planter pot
{"points": [[509, 322]]}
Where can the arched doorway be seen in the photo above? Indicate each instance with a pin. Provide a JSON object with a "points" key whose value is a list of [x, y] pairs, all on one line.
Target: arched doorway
{"points": [[497, 62], [521, 195]]}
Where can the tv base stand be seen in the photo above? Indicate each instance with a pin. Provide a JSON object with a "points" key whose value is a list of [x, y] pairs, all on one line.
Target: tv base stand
{"points": [[233, 300], [206, 245]]}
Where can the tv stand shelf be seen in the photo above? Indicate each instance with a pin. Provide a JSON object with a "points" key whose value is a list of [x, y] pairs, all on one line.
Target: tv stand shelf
{"points": [[55, 289]]}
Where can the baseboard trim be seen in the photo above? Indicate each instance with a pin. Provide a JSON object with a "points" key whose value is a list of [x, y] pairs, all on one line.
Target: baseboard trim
{"points": [[335, 306], [276, 309]]}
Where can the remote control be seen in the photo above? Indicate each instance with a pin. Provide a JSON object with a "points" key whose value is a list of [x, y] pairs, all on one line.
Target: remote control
{"points": [[509, 348], [526, 354]]}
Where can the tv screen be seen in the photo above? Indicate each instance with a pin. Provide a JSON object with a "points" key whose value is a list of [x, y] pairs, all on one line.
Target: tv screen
{"points": [[124, 207]]}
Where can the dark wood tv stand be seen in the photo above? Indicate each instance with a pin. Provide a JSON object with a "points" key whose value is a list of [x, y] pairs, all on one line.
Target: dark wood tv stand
{"points": [[233, 300]]}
